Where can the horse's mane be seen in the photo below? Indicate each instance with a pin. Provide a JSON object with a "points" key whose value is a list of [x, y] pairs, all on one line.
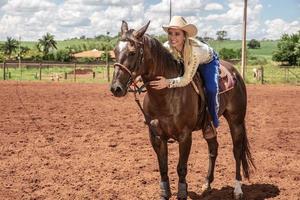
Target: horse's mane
{"points": [[163, 62]]}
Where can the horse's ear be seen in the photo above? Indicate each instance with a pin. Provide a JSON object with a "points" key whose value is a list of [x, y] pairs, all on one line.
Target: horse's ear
{"points": [[138, 34], [124, 27]]}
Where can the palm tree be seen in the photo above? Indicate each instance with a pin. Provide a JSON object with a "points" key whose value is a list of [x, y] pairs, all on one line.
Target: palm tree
{"points": [[46, 43], [10, 46]]}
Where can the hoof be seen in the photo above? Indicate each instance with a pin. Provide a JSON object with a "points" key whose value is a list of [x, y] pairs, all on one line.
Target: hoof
{"points": [[165, 192], [238, 196], [182, 191]]}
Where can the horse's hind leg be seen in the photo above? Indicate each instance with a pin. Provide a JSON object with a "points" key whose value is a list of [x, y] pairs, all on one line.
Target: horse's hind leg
{"points": [[213, 153], [184, 152], [161, 149], [238, 134]]}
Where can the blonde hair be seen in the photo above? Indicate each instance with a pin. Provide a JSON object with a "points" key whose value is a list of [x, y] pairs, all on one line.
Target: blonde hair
{"points": [[187, 50]]}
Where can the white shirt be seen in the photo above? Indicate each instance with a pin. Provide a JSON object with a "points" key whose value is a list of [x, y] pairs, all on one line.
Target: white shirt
{"points": [[201, 54]]}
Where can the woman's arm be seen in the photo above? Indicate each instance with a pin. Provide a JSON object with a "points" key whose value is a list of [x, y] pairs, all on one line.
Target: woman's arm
{"points": [[201, 54]]}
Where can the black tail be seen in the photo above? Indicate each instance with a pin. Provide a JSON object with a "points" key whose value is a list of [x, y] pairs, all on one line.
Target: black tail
{"points": [[246, 157]]}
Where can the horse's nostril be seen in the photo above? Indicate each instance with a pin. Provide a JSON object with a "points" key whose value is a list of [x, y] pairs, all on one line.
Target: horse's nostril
{"points": [[118, 90]]}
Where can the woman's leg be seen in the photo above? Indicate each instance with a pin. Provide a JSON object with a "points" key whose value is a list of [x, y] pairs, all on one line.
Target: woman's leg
{"points": [[210, 75]]}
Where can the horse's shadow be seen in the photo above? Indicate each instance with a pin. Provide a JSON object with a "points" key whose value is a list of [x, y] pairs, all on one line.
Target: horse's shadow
{"points": [[254, 191]]}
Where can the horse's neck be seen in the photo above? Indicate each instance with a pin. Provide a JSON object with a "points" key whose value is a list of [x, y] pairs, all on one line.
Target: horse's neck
{"points": [[158, 60]]}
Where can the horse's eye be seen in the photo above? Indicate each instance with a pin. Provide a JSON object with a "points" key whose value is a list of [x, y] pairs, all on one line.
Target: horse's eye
{"points": [[131, 53], [131, 43]]}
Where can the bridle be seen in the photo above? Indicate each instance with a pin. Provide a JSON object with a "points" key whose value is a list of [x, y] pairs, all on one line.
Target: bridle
{"points": [[133, 87], [132, 83]]}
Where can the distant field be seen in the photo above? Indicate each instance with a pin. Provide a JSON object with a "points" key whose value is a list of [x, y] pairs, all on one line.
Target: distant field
{"points": [[266, 50], [273, 72], [267, 47]]}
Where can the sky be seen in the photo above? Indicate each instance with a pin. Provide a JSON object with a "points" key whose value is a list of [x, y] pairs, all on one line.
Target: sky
{"points": [[31, 19]]}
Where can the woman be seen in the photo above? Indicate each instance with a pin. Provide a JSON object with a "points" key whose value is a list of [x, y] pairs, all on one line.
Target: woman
{"points": [[194, 54]]}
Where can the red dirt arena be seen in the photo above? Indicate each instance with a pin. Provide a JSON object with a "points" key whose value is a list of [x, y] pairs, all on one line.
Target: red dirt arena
{"points": [[77, 141]]}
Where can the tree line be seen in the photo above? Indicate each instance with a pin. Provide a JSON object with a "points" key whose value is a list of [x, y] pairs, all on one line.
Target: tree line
{"points": [[287, 52]]}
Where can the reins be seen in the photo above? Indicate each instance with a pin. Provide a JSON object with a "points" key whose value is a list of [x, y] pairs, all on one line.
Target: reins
{"points": [[133, 87]]}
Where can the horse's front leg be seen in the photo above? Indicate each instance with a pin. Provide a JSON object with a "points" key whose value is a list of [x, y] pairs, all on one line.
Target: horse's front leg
{"points": [[185, 144], [161, 149]]}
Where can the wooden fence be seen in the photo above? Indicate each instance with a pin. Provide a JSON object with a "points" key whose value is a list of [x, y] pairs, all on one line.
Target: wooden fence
{"points": [[11, 70]]}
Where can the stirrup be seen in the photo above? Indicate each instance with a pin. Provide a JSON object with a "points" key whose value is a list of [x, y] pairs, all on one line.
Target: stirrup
{"points": [[210, 131]]}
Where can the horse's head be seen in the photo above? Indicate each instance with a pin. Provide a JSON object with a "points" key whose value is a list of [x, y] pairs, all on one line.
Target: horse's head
{"points": [[129, 53]]}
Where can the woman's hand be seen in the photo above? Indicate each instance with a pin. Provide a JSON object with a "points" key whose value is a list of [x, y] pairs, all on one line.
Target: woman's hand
{"points": [[160, 83]]}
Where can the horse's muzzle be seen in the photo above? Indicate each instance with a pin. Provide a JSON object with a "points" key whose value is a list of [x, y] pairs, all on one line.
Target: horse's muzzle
{"points": [[117, 90]]}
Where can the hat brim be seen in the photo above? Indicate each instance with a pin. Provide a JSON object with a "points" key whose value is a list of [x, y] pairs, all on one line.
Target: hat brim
{"points": [[190, 29]]}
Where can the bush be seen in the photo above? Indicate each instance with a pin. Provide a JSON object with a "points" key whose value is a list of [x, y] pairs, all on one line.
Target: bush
{"points": [[288, 49], [253, 44], [1, 56], [229, 53], [63, 56]]}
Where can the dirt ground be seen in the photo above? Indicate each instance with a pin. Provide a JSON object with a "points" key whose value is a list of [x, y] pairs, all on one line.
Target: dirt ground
{"points": [[77, 141]]}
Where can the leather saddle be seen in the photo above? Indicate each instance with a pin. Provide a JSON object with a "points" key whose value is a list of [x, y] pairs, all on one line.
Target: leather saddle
{"points": [[227, 80]]}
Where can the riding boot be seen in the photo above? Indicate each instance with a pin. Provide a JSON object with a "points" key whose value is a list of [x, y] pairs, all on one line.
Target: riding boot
{"points": [[209, 131]]}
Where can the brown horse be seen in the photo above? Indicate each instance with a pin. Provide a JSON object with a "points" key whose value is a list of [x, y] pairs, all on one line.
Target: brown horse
{"points": [[173, 113]]}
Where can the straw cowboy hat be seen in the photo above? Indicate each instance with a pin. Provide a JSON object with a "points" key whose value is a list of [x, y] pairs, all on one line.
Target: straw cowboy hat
{"points": [[179, 22]]}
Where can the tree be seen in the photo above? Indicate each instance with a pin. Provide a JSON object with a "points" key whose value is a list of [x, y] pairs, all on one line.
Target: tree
{"points": [[227, 53], [10, 46], [253, 44], [24, 50], [288, 49], [221, 35], [46, 43]]}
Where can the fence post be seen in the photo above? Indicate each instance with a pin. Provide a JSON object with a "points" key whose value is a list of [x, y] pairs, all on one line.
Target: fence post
{"points": [[66, 76], [94, 75], [262, 74], [285, 72], [75, 72], [107, 66], [4, 76], [40, 69]]}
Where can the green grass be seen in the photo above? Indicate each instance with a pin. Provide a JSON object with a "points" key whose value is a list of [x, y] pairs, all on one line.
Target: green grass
{"points": [[266, 49], [273, 74], [32, 74]]}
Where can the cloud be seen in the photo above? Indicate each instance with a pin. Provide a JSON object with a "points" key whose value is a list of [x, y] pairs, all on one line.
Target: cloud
{"points": [[276, 27], [213, 6], [73, 18], [24, 6]]}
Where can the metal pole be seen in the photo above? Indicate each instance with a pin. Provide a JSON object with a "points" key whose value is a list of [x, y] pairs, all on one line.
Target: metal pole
{"points": [[243, 66], [170, 9]]}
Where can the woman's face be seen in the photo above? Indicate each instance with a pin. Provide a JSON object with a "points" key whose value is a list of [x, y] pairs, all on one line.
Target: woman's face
{"points": [[176, 38]]}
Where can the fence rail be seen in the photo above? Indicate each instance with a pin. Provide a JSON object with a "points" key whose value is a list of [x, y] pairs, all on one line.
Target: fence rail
{"points": [[56, 71], [101, 72]]}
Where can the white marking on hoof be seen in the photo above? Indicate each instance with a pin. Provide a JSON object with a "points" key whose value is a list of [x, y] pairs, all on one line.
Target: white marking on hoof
{"points": [[238, 193], [205, 187]]}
